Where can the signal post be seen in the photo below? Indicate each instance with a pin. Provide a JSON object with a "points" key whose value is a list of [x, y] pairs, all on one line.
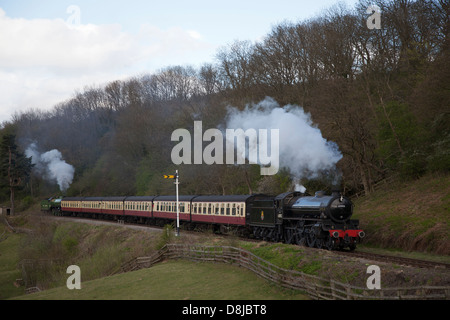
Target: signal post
{"points": [[177, 233]]}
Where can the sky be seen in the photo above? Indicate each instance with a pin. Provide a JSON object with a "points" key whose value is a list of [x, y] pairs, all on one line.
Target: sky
{"points": [[51, 49]]}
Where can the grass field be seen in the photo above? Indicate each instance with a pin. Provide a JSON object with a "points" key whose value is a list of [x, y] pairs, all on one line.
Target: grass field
{"points": [[175, 280], [8, 265]]}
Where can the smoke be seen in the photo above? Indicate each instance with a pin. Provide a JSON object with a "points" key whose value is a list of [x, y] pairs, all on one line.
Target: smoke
{"points": [[302, 149], [51, 166]]}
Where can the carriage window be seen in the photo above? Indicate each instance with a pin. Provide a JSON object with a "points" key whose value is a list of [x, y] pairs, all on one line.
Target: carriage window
{"points": [[222, 209], [217, 208], [233, 211]]}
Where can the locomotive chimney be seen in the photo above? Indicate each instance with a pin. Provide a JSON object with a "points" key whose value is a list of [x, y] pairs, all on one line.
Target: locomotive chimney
{"points": [[336, 193]]}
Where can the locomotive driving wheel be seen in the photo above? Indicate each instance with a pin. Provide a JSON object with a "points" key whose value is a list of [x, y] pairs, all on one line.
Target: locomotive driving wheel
{"points": [[310, 238], [329, 243], [319, 243]]}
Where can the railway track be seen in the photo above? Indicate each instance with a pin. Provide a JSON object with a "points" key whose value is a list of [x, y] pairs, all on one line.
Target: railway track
{"points": [[355, 254], [395, 259]]}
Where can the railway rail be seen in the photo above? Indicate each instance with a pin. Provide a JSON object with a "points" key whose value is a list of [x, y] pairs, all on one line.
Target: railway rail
{"points": [[418, 263]]}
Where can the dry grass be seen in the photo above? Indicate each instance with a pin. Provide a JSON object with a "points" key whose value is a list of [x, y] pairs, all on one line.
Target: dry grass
{"points": [[413, 215]]}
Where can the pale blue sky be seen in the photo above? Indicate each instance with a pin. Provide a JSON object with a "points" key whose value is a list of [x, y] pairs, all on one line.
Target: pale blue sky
{"points": [[218, 21], [43, 62]]}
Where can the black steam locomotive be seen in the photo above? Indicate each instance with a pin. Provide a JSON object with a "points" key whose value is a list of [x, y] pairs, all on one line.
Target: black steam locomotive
{"points": [[321, 221]]}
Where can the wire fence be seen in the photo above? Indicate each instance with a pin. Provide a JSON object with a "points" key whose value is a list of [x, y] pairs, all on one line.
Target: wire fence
{"points": [[315, 287]]}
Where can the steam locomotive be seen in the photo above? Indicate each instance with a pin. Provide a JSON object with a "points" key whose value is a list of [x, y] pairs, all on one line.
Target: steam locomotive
{"points": [[320, 221]]}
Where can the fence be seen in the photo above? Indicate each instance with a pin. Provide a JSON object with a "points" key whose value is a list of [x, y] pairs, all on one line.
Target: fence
{"points": [[315, 287]]}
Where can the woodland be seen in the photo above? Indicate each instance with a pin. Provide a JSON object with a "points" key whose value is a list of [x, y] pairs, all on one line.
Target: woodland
{"points": [[381, 95]]}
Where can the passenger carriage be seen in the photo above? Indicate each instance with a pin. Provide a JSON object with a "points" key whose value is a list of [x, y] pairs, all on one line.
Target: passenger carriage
{"points": [[228, 210], [165, 207], [139, 206]]}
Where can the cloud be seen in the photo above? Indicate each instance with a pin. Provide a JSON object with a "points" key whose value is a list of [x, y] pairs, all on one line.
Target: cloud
{"points": [[43, 61], [60, 47]]}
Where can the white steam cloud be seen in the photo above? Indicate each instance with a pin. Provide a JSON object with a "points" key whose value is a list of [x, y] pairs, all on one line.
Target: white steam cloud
{"points": [[302, 149], [51, 166]]}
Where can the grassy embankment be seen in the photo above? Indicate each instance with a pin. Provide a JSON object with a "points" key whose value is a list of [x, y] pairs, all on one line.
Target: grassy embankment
{"points": [[100, 250], [175, 280], [412, 216]]}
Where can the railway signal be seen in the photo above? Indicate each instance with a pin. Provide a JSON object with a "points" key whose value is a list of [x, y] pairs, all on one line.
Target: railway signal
{"points": [[175, 176]]}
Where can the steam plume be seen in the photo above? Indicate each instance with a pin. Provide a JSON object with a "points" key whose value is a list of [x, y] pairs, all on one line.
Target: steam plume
{"points": [[302, 149], [51, 166]]}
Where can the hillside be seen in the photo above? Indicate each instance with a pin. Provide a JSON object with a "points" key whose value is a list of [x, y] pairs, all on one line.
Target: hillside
{"points": [[375, 103], [412, 215]]}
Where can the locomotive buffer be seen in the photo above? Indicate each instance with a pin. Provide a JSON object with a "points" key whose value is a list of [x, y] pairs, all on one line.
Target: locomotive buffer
{"points": [[171, 176]]}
